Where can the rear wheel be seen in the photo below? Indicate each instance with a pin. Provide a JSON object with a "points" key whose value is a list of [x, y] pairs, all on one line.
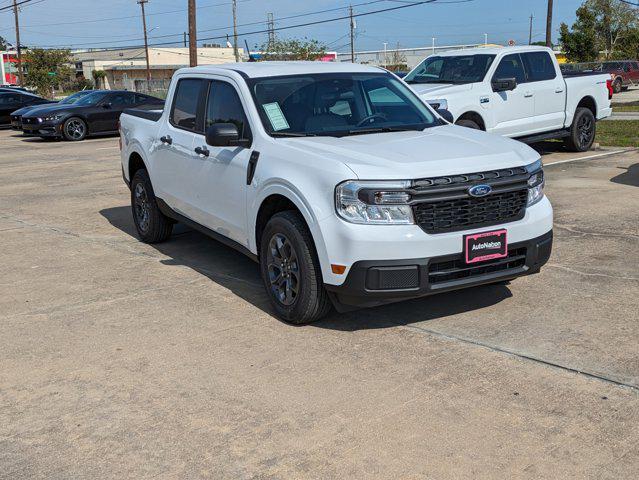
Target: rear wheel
{"points": [[74, 129], [465, 122], [290, 270], [617, 86], [582, 131], [151, 224]]}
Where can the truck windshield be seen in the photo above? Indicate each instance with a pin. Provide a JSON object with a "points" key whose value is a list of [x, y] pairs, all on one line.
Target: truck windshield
{"points": [[338, 104], [455, 69]]}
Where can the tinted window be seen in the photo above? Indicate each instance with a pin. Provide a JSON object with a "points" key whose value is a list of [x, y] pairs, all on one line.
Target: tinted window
{"points": [[185, 103], [9, 98], [511, 67], [123, 99], [635, 65], [539, 66], [224, 106], [142, 99]]}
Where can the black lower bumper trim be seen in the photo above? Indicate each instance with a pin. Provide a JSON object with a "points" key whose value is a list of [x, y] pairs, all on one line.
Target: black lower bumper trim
{"points": [[376, 282]]}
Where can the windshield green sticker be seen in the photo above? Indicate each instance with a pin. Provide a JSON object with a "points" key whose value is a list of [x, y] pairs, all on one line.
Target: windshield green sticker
{"points": [[276, 117]]}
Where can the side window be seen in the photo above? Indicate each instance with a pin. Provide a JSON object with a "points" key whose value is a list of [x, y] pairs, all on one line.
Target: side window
{"points": [[123, 99], [635, 65], [140, 99], [224, 106], [9, 99], [539, 66], [185, 102], [510, 67], [384, 96], [342, 108]]}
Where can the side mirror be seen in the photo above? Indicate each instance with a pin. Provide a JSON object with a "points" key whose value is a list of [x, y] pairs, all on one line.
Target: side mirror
{"points": [[503, 84], [224, 135], [446, 115], [107, 105]]}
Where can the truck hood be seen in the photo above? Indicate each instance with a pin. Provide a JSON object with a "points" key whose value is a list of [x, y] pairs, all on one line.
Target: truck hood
{"points": [[444, 150], [433, 90]]}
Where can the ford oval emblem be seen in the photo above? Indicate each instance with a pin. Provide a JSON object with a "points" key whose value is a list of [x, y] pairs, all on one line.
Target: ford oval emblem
{"points": [[480, 190]]}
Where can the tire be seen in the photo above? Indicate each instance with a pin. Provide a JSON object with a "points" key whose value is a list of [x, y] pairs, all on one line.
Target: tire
{"points": [[290, 270], [464, 122], [74, 129], [151, 224], [616, 86], [582, 131]]}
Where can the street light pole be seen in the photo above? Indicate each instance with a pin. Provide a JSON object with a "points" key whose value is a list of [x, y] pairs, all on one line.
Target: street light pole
{"points": [[235, 50], [352, 25], [549, 25], [146, 45]]}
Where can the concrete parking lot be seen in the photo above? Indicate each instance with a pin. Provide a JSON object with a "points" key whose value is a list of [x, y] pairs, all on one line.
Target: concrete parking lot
{"points": [[125, 360]]}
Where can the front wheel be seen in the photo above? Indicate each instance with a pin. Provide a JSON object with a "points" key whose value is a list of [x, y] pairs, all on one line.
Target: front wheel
{"points": [[464, 122], [290, 270], [582, 131], [74, 129], [617, 86]]}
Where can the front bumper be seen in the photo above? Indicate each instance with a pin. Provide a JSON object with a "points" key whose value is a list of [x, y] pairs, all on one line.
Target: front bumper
{"points": [[375, 282], [16, 123], [44, 129], [604, 113]]}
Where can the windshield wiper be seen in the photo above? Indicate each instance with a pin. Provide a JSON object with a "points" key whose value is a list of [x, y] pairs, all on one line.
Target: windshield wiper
{"points": [[292, 134], [364, 131]]}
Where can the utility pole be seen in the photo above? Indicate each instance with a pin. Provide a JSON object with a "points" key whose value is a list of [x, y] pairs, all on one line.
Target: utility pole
{"points": [[18, 48], [270, 26], [192, 35], [350, 10], [549, 25], [235, 50], [530, 30], [146, 45], [184, 39]]}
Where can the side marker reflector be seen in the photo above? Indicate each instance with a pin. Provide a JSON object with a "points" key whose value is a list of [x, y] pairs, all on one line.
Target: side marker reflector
{"points": [[338, 269]]}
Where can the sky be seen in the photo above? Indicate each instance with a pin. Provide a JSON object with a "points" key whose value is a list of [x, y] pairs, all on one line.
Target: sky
{"points": [[103, 23]]}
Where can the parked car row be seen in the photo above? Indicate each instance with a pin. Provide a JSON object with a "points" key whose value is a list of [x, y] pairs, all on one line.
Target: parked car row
{"points": [[86, 113]]}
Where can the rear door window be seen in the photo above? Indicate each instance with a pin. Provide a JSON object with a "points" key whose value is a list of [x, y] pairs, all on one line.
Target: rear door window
{"points": [[539, 66], [511, 67], [185, 103]]}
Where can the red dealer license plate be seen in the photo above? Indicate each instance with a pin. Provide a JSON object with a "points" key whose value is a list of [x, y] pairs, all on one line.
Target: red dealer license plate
{"points": [[480, 247]]}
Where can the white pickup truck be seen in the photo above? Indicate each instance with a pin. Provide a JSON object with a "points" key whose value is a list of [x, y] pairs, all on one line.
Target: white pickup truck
{"points": [[518, 92], [344, 185]]}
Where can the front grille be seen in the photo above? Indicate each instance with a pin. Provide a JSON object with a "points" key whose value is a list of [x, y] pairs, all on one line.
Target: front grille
{"points": [[443, 204], [457, 269], [465, 213]]}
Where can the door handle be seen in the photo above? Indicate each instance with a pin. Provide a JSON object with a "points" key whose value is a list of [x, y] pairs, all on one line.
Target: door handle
{"points": [[202, 151], [528, 94], [166, 139], [559, 90]]}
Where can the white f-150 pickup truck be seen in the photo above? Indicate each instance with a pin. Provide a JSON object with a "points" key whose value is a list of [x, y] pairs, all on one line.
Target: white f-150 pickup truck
{"points": [[518, 92], [344, 185]]}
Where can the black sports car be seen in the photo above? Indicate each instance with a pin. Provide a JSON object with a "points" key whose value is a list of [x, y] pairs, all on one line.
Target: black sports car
{"points": [[16, 117], [11, 101], [95, 114]]}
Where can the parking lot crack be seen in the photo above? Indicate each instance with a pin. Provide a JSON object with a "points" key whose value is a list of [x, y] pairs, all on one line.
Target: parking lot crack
{"points": [[595, 234], [591, 274], [523, 356]]}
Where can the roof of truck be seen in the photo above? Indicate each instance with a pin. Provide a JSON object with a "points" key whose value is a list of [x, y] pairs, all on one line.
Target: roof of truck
{"points": [[272, 69], [493, 50]]}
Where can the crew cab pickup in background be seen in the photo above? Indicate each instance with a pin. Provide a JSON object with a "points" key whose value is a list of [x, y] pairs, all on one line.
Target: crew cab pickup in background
{"points": [[343, 184], [518, 92]]}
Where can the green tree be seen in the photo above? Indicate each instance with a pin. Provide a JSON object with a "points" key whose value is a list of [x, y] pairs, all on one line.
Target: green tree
{"points": [[98, 77], [3, 43], [603, 26], [580, 43], [294, 49], [47, 69]]}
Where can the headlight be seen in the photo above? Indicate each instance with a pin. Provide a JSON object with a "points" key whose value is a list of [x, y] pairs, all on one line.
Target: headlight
{"points": [[374, 203], [536, 182], [51, 118], [439, 103]]}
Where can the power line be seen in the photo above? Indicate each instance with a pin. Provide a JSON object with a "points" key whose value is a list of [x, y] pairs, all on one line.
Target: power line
{"points": [[307, 24]]}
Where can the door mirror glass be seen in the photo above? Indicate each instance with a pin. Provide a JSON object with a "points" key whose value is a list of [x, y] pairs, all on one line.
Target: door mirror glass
{"points": [[504, 84], [223, 135]]}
